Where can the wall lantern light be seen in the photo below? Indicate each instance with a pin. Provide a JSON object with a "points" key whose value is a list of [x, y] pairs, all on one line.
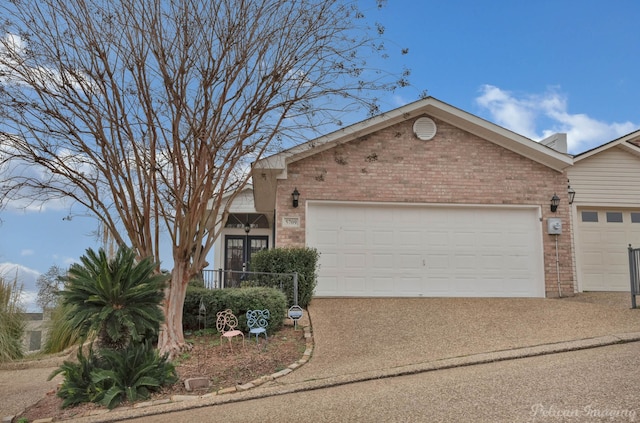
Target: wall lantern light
{"points": [[247, 228], [572, 194], [295, 195], [555, 200]]}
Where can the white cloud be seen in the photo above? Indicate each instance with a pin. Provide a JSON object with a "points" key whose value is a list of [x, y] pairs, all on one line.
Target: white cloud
{"points": [[515, 114], [30, 206], [14, 49], [73, 160], [25, 200], [25, 277], [29, 301], [27, 252], [399, 101], [523, 114], [27, 205]]}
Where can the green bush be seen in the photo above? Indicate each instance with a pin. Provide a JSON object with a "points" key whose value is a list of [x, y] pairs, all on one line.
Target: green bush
{"points": [[77, 387], [132, 373], [112, 376], [118, 298], [288, 260], [197, 281], [11, 321], [239, 300]]}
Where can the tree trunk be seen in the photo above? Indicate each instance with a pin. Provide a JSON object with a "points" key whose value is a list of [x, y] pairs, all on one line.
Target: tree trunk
{"points": [[171, 338]]}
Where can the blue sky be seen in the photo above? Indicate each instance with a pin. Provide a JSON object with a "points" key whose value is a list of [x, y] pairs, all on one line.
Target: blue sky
{"points": [[533, 67]]}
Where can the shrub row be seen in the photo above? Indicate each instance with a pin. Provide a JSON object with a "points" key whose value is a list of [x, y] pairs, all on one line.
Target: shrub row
{"points": [[239, 300], [287, 260]]}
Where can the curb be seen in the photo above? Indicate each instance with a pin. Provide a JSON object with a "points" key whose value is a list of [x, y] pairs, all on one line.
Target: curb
{"points": [[244, 392]]}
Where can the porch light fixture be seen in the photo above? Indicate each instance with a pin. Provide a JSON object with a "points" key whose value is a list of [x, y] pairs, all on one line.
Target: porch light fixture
{"points": [[572, 194], [247, 228], [295, 195], [555, 200]]}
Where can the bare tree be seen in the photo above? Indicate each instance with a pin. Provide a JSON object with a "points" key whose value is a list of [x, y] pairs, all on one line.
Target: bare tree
{"points": [[49, 285], [147, 112]]}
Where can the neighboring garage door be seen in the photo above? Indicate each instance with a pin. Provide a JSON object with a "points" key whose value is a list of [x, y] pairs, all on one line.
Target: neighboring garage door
{"points": [[603, 239], [412, 251]]}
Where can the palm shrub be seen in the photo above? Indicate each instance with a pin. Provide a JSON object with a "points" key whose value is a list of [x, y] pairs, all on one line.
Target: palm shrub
{"points": [[11, 320], [78, 386], [118, 299], [132, 374]]}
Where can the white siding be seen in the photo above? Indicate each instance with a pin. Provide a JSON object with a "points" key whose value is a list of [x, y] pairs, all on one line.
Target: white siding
{"points": [[608, 178]]}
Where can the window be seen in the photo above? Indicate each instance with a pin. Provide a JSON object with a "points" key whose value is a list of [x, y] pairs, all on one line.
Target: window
{"points": [[614, 217], [589, 216], [635, 217]]}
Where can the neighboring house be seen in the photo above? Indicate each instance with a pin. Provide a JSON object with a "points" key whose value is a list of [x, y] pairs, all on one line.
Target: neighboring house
{"points": [[35, 331], [422, 201], [606, 212]]}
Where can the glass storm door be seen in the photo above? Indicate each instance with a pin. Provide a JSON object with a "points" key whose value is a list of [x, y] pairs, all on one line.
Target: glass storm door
{"points": [[238, 251]]}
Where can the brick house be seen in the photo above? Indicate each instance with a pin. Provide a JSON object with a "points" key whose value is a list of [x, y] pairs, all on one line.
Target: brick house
{"points": [[425, 200]]}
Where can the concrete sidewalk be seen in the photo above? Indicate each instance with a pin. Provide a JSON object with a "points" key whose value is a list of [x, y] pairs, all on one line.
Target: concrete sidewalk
{"points": [[22, 386], [360, 339]]}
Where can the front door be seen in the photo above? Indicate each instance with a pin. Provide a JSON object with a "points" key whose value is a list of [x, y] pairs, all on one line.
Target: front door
{"points": [[238, 252]]}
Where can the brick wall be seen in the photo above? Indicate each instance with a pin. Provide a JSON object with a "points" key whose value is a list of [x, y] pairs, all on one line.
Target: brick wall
{"points": [[454, 167]]}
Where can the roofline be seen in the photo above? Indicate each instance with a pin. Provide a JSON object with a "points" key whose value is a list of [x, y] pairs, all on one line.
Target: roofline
{"points": [[623, 142], [428, 106], [268, 170]]}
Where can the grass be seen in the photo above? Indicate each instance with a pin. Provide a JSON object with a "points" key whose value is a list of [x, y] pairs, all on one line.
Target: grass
{"points": [[12, 323], [61, 334]]}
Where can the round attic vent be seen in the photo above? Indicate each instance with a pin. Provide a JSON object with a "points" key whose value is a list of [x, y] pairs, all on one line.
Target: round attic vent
{"points": [[424, 128]]}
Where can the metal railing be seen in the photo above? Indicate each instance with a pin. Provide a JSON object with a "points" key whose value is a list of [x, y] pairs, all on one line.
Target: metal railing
{"points": [[211, 279], [634, 273], [221, 278]]}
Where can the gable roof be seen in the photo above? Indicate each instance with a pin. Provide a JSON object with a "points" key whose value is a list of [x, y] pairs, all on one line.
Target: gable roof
{"points": [[267, 170], [629, 143]]}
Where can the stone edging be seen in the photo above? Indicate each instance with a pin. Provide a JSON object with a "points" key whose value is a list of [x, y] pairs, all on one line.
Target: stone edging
{"points": [[239, 388]]}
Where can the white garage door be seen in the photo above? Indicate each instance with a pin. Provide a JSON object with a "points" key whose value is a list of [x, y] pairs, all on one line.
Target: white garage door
{"points": [[602, 247], [412, 251]]}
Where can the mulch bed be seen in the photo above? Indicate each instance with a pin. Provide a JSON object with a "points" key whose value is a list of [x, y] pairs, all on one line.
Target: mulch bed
{"points": [[223, 365]]}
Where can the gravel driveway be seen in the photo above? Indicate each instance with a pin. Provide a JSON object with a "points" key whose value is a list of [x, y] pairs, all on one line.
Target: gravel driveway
{"points": [[354, 335]]}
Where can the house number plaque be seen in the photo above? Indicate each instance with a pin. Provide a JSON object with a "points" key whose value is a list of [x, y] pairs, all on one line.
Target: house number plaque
{"points": [[290, 222]]}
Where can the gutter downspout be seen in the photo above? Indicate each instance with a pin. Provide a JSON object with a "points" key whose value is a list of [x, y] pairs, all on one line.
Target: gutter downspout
{"points": [[558, 268]]}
